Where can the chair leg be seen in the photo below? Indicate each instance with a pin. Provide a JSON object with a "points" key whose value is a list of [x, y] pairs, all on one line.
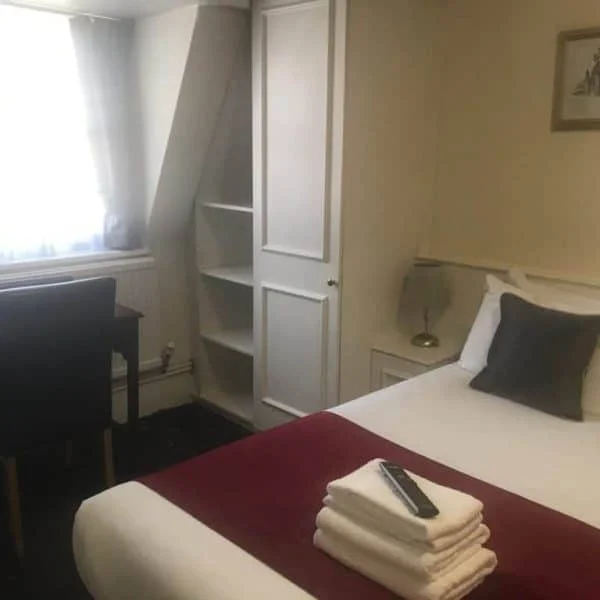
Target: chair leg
{"points": [[109, 467], [14, 505]]}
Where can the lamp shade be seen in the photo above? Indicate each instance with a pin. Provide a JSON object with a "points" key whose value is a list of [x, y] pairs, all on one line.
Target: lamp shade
{"points": [[426, 288]]}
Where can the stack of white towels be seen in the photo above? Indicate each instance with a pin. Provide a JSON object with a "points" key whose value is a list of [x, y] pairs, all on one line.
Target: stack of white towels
{"points": [[367, 527]]}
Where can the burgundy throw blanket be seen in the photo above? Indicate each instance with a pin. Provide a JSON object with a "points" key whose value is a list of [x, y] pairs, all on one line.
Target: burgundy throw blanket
{"points": [[263, 493]]}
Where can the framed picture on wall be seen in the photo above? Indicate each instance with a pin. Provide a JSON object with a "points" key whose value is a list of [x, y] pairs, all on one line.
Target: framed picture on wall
{"points": [[577, 81]]}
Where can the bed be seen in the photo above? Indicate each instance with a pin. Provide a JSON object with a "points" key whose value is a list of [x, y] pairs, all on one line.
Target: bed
{"points": [[237, 522]]}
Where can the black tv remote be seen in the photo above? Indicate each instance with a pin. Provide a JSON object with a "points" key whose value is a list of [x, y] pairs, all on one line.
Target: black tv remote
{"points": [[411, 494]]}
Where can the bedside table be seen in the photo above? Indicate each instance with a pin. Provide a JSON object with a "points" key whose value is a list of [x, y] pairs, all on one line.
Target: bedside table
{"points": [[395, 359]]}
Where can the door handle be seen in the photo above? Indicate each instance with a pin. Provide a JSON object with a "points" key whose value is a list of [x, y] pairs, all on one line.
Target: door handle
{"points": [[331, 282]]}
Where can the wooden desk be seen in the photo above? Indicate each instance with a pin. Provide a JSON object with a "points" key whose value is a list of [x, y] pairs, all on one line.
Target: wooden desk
{"points": [[126, 342]]}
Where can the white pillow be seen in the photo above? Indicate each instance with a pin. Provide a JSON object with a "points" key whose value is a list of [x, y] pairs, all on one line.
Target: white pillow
{"points": [[559, 299], [554, 297], [474, 355]]}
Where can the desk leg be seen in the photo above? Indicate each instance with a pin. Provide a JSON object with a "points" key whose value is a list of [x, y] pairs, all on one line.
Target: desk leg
{"points": [[133, 375]]}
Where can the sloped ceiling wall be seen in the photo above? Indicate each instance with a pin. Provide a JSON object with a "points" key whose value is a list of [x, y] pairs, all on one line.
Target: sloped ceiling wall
{"points": [[227, 170], [184, 60], [161, 48]]}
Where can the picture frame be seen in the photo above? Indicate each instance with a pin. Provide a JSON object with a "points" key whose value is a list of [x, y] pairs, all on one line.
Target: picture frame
{"points": [[576, 103]]}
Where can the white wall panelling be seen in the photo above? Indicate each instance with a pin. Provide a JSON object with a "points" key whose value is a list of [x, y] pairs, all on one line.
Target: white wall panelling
{"points": [[294, 349], [296, 106]]}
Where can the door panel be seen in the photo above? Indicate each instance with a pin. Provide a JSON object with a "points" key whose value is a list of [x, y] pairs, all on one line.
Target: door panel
{"points": [[294, 350], [295, 111], [298, 91]]}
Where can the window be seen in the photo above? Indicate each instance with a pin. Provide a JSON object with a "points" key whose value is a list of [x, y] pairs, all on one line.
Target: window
{"points": [[50, 203]]}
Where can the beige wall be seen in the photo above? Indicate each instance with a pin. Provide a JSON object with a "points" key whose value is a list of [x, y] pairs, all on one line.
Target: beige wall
{"points": [[389, 141], [508, 191]]}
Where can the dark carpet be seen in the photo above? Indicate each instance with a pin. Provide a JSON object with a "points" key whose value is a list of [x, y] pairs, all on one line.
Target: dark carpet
{"points": [[52, 492]]}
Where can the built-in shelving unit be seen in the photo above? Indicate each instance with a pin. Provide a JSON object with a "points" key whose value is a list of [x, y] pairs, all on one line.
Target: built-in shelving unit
{"points": [[224, 254], [238, 340], [239, 275], [225, 307], [237, 404], [241, 208]]}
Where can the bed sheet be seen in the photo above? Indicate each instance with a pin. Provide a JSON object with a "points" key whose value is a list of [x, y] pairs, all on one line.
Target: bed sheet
{"points": [[544, 458]]}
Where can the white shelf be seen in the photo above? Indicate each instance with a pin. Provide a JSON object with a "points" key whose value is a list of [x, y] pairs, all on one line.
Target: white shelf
{"points": [[241, 208], [241, 275], [239, 340], [235, 403]]}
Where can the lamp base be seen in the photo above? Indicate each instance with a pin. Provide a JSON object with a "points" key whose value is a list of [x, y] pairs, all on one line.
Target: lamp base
{"points": [[425, 340]]}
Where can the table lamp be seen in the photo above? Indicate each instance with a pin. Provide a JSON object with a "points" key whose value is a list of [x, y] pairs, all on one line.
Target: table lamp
{"points": [[426, 289]]}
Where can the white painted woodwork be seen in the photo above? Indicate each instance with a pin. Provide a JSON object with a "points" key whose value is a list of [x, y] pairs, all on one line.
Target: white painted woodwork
{"points": [[312, 134], [284, 409], [295, 105], [224, 238], [239, 340], [388, 370], [237, 404], [298, 91], [240, 275], [294, 349], [395, 359], [243, 208], [224, 250]]}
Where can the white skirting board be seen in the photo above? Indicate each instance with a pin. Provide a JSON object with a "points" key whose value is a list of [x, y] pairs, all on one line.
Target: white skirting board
{"points": [[158, 392]]}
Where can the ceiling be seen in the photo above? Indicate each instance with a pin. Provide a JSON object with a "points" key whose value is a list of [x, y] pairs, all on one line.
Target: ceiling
{"points": [[124, 8]]}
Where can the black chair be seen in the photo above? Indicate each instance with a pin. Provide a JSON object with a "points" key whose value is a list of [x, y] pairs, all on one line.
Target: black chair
{"points": [[55, 372], [19, 283]]}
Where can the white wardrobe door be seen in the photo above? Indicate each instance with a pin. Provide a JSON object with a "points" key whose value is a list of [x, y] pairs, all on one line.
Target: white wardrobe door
{"points": [[298, 97]]}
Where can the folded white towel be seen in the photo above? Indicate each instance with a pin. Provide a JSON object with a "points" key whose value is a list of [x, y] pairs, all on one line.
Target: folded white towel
{"points": [[421, 564], [365, 492], [444, 542], [454, 585]]}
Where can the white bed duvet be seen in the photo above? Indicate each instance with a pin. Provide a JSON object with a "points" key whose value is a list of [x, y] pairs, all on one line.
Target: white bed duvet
{"points": [[535, 455], [131, 543]]}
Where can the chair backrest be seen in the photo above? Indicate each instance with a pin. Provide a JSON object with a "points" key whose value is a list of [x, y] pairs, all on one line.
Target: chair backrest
{"points": [[19, 283], [55, 361]]}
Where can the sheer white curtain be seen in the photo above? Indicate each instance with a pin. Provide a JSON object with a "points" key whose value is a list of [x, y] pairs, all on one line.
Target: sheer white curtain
{"points": [[50, 200], [103, 52]]}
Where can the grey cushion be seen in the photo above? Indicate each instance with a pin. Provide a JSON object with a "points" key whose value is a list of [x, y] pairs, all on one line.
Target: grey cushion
{"points": [[539, 356]]}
